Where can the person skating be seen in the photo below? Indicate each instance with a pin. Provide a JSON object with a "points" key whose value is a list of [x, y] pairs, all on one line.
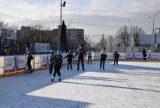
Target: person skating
{"points": [[116, 57], [69, 57], [89, 57], [144, 54], [80, 52], [51, 62], [57, 60], [103, 57], [29, 59]]}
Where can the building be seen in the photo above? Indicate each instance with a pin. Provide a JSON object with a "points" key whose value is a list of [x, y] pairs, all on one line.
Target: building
{"points": [[33, 35], [74, 38]]}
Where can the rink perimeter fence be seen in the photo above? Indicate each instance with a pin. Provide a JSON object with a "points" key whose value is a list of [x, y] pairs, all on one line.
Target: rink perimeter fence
{"points": [[16, 64]]}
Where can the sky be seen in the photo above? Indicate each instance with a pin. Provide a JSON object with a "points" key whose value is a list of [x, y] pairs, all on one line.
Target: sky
{"points": [[96, 17]]}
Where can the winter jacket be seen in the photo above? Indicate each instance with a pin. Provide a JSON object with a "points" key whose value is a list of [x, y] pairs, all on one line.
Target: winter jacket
{"points": [[103, 55], [116, 55], [69, 57], [80, 52], [58, 59], [29, 58]]}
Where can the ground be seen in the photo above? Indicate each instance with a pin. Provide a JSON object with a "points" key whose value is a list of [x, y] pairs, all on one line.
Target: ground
{"points": [[129, 85]]}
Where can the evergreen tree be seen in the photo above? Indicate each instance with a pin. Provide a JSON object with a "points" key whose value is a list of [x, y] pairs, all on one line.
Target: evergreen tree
{"points": [[63, 37]]}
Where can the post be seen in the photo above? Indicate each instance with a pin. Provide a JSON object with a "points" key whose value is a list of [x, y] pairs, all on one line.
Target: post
{"points": [[60, 25], [154, 36]]}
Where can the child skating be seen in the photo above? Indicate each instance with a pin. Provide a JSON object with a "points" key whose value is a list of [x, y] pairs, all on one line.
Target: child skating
{"points": [[69, 57], [58, 58]]}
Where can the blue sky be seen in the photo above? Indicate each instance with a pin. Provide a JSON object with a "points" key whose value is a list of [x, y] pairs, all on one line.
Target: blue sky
{"points": [[96, 17]]}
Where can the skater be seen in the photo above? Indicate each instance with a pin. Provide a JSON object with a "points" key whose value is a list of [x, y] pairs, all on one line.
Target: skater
{"points": [[116, 57], [80, 52], [103, 58], [29, 59], [144, 54], [57, 61], [51, 62], [89, 57], [69, 57]]}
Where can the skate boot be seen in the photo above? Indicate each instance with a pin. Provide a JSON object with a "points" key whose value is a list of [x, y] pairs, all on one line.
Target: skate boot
{"points": [[52, 80], [59, 79]]}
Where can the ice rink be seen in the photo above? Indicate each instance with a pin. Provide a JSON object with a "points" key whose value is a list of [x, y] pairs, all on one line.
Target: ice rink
{"points": [[129, 85]]}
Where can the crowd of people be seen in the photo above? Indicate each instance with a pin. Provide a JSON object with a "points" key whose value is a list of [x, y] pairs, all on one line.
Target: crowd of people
{"points": [[57, 59]]}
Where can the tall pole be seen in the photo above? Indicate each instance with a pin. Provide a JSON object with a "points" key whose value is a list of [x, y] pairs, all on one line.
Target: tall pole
{"points": [[153, 32], [61, 12], [60, 25]]}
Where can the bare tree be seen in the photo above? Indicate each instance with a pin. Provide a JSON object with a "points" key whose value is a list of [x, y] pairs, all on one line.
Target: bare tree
{"points": [[136, 32], [110, 41], [90, 44], [123, 36]]}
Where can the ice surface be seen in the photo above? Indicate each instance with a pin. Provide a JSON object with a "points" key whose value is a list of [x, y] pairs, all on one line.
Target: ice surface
{"points": [[129, 85]]}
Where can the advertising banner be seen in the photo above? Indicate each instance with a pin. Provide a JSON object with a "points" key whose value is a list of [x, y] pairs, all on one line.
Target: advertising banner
{"points": [[130, 55], [154, 55], [44, 61], [9, 64], [21, 62]]}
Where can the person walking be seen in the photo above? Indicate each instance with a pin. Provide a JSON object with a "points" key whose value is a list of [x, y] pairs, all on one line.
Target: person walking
{"points": [[103, 57], [89, 57], [57, 61], [116, 57], [80, 52], [69, 57], [29, 59], [144, 54], [51, 62]]}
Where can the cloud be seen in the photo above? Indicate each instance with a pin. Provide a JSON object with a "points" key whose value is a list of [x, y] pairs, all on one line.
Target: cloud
{"points": [[95, 16]]}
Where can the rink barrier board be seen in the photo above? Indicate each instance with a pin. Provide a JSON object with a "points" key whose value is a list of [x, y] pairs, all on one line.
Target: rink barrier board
{"points": [[11, 65]]}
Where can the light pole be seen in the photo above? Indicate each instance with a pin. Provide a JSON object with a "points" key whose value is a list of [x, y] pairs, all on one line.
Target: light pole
{"points": [[153, 32], [62, 4]]}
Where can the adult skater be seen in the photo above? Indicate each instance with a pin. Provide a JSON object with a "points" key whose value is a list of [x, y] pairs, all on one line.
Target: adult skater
{"points": [[51, 62], [103, 56], [89, 57], [80, 52], [69, 57], [57, 60], [144, 54], [29, 59], [116, 57]]}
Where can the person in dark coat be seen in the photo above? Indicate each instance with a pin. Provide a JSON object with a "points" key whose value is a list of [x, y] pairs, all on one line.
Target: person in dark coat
{"points": [[103, 57], [69, 57], [29, 59], [51, 62], [57, 61], [116, 57], [80, 52], [144, 54]]}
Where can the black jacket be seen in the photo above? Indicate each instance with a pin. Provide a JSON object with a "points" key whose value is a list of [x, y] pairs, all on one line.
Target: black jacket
{"points": [[29, 58], [80, 52], [58, 59], [69, 56]]}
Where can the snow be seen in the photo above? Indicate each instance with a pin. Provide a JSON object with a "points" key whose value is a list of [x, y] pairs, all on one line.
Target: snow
{"points": [[129, 85]]}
